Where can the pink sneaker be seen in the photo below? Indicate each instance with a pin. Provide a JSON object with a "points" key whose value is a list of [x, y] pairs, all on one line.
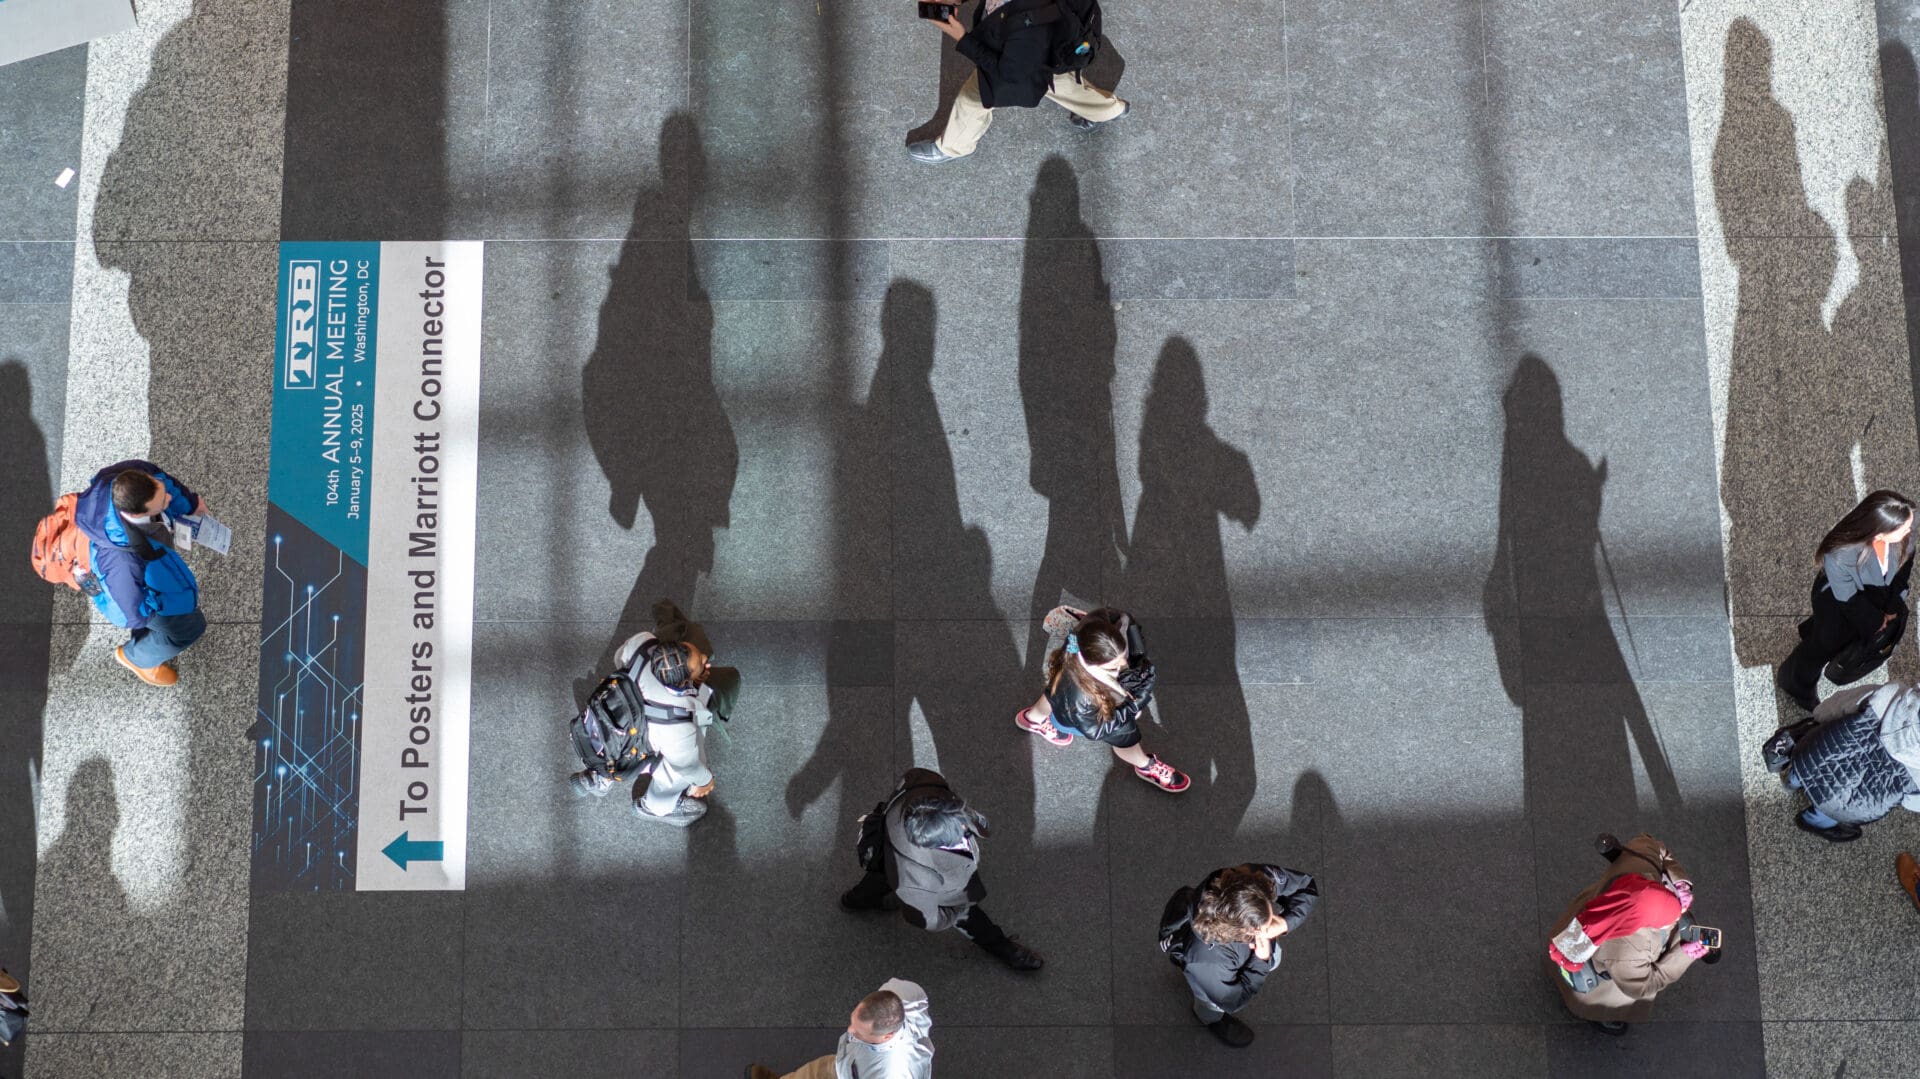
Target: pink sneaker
{"points": [[1042, 727], [1163, 775]]}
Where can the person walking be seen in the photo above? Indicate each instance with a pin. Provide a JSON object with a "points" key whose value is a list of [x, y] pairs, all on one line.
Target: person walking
{"points": [[1099, 681], [1023, 52], [1225, 936], [128, 515], [1859, 593], [886, 1038], [1861, 762], [1627, 937], [674, 691], [921, 853]]}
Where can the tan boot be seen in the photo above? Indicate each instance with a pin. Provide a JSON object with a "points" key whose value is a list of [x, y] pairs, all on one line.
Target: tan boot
{"points": [[760, 1071], [163, 675], [8, 983], [1908, 871]]}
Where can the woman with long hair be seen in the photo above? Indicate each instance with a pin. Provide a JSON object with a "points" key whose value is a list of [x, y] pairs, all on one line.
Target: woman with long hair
{"points": [[1859, 591], [1098, 683]]}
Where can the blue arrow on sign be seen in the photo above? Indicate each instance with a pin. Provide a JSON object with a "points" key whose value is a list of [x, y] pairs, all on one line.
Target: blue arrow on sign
{"points": [[403, 850]]}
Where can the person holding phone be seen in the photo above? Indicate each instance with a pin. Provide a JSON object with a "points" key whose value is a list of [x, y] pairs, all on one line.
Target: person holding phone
{"points": [[1225, 937], [1627, 937], [1099, 681], [1023, 52], [1859, 592]]}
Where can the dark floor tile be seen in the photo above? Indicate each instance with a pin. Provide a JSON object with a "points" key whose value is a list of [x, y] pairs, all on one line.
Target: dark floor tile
{"points": [[374, 1054], [1587, 120], [1071, 1052], [1708, 1050], [1468, 1051], [1574, 650], [822, 271], [43, 100], [1199, 269], [1601, 268], [1173, 1052], [514, 1054], [399, 952], [726, 1053], [38, 273]]}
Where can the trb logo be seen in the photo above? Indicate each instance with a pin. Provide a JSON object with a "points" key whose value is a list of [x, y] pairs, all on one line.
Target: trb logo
{"points": [[303, 324]]}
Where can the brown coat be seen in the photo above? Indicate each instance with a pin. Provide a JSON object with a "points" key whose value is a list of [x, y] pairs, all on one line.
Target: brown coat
{"points": [[1637, 967]]}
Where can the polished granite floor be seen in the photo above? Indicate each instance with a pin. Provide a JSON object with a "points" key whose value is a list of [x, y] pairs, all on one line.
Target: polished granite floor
{"points": [[1367, 361]]}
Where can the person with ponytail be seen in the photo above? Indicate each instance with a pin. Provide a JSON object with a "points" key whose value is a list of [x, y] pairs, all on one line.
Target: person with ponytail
{"points": [[1627, 937], [1099, 681], [1859, 591]]}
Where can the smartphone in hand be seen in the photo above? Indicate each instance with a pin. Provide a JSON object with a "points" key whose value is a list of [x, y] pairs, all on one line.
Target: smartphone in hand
{"points": [[1704, 934], [937, 12]]}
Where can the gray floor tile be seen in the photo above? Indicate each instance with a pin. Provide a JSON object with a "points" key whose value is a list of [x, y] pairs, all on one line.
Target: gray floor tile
{"points": [[1830, 1048], [1587, 120], [577, 96], [1461, 657], [1079, 1052], [826, 271], [510, 1054], [44, 98], [35, 273], [33, 380], [1599, 268], [1396, 271], [1388, 115], [214, 1055], [375, 1054], [1385, 1051], [403, 947], [1709, 1050], [1199, 269], [1167, 1052], [1594, 649]]}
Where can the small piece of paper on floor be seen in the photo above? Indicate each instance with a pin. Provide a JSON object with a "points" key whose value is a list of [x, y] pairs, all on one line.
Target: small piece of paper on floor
{"points": [[65, 178]]}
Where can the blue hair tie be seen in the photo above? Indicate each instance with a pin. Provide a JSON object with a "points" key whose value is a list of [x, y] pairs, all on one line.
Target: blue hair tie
{"points": [[1073, 644]]}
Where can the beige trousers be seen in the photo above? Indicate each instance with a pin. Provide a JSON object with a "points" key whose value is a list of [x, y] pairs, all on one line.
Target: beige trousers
{"points": [[970, 119], [821, 1068]]}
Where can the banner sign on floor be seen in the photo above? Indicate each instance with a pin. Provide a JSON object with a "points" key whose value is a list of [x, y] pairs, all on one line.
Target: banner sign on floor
{"points": [[366, 649]]}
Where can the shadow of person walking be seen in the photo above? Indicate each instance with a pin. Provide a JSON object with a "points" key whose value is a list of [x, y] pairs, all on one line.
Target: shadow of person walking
{"points": [[1549, 556], [1176, 581], [1067, 343], [653, 415], [26, 632]]}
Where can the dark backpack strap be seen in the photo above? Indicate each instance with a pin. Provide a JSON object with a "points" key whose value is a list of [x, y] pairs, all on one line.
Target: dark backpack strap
{"points": [[1033, 12]]}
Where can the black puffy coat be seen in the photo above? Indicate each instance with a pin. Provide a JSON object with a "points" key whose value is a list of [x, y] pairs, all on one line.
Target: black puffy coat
{"points": [[1228, 975], [1845, 769], [1073, 709]]}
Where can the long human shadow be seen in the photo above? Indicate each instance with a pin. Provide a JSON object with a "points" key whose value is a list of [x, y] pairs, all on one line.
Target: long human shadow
{"points": [[1176, 579], [1067, 343], [1547, 547], [652, 413], [1795, 411], [1900, 91], [26, 634]]}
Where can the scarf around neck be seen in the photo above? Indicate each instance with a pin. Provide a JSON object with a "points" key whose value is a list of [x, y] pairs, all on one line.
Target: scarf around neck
{"points": [[1624, 907]]}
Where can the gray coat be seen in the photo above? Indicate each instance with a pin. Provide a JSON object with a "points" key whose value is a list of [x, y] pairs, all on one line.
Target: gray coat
{"points": [[936, 887], [1852, 767]]}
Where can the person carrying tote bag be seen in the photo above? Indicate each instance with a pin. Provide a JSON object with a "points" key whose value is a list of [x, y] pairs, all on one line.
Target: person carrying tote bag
{"points": [[1859, 595]]}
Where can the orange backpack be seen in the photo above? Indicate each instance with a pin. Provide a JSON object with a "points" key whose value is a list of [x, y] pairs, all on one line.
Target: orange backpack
{"points": [[60, 549]]}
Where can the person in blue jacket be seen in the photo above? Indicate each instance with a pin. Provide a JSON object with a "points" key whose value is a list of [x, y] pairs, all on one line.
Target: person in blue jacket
{"points": [[127, 511]]}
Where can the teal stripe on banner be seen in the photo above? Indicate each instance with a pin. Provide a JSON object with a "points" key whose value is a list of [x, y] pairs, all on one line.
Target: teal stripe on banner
{"points": [[322, 463]]}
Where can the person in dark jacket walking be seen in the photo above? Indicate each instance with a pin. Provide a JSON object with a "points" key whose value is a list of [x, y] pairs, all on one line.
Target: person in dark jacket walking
{"points": [[925, 860], [1865, 562], [1099, 681], [1008, 46], [128, 512], [1861, 763], [1225, 935]]}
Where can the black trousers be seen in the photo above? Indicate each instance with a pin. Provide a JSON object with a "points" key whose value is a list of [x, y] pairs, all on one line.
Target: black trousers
{"points": [[872, 893], [1822, 637]]}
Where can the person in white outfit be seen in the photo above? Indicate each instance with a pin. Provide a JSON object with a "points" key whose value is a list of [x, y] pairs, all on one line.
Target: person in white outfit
{"points": [[887, 1038]]}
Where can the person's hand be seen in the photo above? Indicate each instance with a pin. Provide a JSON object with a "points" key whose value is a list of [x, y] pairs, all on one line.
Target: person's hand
{"points": [[1885, 621], [200, 508], [1694, 949], [951, 27], [1685, 892]]}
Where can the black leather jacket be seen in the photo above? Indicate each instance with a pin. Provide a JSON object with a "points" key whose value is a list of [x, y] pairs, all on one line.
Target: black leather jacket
{"points": [[1010, 52], [1075, 709]]}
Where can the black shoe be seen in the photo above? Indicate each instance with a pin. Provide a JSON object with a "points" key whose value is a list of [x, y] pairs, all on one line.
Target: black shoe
{"points": [[1232, 1031], [1085, 124], [1712, 957], [1015, 954], [929, 151], [1839, 833], [1609, 1026], [1808, 701], [854, 906]]}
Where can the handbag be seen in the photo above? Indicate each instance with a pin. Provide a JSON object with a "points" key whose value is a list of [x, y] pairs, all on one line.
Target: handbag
{"points": [[1777, 751], [1862, 658]]}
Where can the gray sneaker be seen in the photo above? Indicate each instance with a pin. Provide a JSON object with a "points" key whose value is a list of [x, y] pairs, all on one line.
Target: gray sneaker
{"points": [[685, 812], [594, 783], [1085, 124], [928, 151]]}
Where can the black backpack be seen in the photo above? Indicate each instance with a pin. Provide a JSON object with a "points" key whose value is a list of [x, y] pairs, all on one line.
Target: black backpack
{"points": [[611, 735], [870, 846], [1176, 929], [1075, 33]]}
